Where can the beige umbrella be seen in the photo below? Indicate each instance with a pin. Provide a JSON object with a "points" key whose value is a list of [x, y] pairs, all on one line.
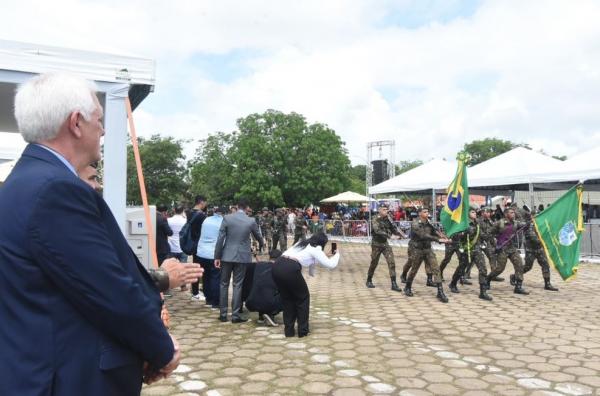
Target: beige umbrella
{"points": [[5, 169], [348, 196]]}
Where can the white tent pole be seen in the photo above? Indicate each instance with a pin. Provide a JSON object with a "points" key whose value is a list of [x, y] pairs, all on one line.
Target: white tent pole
{"points": [[531, 197]]}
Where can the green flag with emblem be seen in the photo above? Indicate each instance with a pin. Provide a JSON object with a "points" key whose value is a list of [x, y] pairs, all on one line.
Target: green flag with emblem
{"points": [[559, 228], [455, 215]]}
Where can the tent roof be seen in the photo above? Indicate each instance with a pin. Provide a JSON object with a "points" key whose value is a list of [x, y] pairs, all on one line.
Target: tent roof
{"points": [[95, 66], [348, 196], [436, 173], [517, 166]]}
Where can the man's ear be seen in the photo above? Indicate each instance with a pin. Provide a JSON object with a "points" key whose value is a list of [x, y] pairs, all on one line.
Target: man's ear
{"points": [[73, 124]]}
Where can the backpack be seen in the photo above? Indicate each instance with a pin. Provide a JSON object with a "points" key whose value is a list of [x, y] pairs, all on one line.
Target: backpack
{"points": [[186, 242]]}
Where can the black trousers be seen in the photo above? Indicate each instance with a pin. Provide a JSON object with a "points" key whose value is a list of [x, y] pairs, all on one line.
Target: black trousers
{"points": [[295, 296], [196, 285]]}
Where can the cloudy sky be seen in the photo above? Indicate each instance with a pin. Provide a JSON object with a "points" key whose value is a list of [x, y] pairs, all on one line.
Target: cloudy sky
{"points": [[429, 74]]}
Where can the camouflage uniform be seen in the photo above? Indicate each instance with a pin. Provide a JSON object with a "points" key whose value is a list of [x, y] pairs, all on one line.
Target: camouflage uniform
{"points": [[266, 230], [488, 240], [534, 250], [507, 249], [470, 251], [449, 251], [382, 230], [315, 228], [299, 230], [421, 236], [279, 227]]}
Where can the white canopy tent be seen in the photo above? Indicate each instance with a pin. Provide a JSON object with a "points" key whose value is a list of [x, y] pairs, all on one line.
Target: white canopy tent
{"points": [[117, 78], [346, 197], [5, 169], [435, 174]]}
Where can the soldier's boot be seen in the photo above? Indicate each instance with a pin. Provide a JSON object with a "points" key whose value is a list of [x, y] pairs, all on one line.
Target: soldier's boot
{"points": [[408, 289], [513, 282], [488, 282], [498, 279], [395, 285], [369, 283], [548, 285], [483, 293], [430, 280], [440, 294], [403, 277], [453, 287], [519, 288]]}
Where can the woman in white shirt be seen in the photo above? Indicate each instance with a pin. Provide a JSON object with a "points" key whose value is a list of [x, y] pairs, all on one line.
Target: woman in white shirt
{"points": [[287, 274]]}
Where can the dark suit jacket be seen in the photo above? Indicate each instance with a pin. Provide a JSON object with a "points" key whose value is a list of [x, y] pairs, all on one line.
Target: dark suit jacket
{"points": [[163, 232], [79, 312], [233, 244]]}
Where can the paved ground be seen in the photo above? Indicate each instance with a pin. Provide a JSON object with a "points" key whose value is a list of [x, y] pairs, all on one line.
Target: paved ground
{"points": [[366, 341]]}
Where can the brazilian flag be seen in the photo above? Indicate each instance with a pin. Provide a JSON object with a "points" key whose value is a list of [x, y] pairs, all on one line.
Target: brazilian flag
{"points": [[455, 215], [559, 228]]}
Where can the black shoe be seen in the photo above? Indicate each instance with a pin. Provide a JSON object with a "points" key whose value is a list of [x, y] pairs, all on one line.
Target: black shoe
{"points": [[513, 282], [223, 318], [453, 288], [369, 283], [497, 279], [403, 278], [548, 286], [407, 289], [483, 293], [440, 294], [239, 320], [395, 286], [430, 281], [519, 288]]}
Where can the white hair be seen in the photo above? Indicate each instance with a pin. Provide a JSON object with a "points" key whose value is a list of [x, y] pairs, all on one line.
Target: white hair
{"points": [[44, 103]]}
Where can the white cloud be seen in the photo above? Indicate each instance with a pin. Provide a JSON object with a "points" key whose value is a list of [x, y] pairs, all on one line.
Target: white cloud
{"points": [[522, 71]]}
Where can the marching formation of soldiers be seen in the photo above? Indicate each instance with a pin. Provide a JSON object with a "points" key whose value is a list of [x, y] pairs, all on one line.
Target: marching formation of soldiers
{"points": [[496, 240]]}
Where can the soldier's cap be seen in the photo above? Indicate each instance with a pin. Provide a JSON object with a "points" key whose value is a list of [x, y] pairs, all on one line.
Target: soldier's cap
{"points": [[265, 209], [384, 206], [487, 209], [474, 207]]}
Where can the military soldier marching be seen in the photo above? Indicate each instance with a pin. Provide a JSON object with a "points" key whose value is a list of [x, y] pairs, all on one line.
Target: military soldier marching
{"points": [[534, 250], [383, 229]]}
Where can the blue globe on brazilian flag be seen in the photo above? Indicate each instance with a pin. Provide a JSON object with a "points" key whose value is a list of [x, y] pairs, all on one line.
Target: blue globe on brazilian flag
{"points": [[455, 215]]}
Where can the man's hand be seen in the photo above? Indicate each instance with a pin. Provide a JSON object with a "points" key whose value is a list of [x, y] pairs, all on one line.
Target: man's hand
{"points": [[445, 240], [152, 375], [180, 273], [217, 263]]}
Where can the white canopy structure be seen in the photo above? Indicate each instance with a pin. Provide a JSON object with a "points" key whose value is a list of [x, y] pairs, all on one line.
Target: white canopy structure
{"points": [[435, 174], [117, 78], [346, 197], [5, 169], [517, 166]]}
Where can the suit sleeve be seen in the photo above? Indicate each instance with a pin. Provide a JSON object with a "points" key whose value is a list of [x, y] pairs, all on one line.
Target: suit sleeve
{"points": [[221, 240], [166, 228], [256, 232], [70, 242]]}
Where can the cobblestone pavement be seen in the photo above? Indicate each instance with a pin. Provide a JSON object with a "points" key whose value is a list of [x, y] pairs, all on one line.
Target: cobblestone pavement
{"points": [[366, 341]]}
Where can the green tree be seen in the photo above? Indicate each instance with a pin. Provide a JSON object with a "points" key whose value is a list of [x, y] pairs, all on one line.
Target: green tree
{"points": [[164, 171], [405, 166], [274, 159], [357, 179], [483, 150]]}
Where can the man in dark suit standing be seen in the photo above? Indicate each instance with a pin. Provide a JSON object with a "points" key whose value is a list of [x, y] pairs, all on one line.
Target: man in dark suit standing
{"points": [[163, 232], [232, 254], [80, 314]]}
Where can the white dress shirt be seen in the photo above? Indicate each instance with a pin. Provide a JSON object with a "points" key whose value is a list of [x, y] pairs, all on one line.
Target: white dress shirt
{"points": [[310, 256]]}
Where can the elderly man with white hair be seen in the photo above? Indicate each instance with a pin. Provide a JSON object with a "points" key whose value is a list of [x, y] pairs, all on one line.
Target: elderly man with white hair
{"points": [[80, 315]]}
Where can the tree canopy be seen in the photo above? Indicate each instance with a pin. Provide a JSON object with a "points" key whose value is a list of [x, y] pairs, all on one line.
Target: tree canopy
{"points": [[273, 159], [482, 150], [164, 171]]}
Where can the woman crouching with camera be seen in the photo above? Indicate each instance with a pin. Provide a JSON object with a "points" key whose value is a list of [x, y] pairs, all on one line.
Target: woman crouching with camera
{"points": [[287, 274]]}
